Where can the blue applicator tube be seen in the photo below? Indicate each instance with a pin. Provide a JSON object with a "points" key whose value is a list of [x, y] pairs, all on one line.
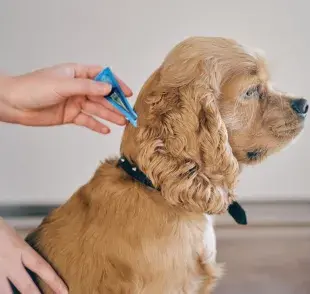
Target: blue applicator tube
{"points": [[117, 97]]}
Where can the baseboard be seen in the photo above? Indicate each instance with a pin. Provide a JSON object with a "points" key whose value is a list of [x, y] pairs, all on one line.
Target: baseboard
{"points": [[259, 213], [21, 211], [286, 213], [24, 217]]}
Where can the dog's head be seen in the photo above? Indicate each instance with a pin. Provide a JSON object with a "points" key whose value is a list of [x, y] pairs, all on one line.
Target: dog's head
{"points": [[207, 109]]}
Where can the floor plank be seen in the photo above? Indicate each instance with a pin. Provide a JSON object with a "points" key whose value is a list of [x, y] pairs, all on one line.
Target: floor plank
{"points": [[265, 261]]}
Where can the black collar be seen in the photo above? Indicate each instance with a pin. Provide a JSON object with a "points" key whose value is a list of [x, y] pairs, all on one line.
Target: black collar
{"points": [[234, 209]]}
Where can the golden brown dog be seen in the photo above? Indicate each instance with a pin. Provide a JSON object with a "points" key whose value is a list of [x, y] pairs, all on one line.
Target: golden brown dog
{"points": [[206, 111]]}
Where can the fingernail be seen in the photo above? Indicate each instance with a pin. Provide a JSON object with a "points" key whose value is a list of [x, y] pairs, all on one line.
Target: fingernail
{"points": [[122, 121], [105, 130], [105, 87], [63, 290]]}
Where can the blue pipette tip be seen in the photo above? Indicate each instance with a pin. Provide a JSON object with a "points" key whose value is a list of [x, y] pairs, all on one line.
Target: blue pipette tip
{"points": [[117, 97]]}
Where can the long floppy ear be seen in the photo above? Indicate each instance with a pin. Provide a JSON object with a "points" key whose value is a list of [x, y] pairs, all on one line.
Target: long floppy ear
{"points": [[183, 142]]}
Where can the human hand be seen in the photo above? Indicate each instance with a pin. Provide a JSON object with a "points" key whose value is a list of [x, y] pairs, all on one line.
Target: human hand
{"points": [[15, 255], [62, 94]]}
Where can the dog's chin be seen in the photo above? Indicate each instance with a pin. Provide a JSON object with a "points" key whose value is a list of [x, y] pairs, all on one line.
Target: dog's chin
{"points": [[291, 138], [289, 130], [285, 138]]}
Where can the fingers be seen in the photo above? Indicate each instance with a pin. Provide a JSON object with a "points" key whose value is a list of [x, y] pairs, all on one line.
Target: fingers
{"points": [[74, 87], [104, 113], [127, 91], [23, 282], [89, 122], [104, 102], [5, 287], [33, 261], [101, 101], [87, 71], [91, 71], [15, 256]]}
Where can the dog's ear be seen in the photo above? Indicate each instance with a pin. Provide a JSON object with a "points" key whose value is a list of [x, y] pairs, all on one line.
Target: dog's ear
{"points": [[182, 140]]}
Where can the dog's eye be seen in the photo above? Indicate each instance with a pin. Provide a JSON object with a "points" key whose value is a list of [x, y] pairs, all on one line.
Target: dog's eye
{"points": [[251, 92]]}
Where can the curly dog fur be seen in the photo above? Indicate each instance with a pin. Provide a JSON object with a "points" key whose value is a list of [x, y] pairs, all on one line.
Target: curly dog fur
{"points": [[207, 110]]}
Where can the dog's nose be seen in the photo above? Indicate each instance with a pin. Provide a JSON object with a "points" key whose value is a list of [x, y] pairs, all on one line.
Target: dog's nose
{"points": [[300, 106]]}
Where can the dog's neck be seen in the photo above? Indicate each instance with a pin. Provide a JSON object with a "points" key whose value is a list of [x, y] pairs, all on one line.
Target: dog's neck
{"points": [[134, 171], [234, 209]]}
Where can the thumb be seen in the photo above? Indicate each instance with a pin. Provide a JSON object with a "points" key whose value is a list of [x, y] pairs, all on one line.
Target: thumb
{"points": [[76, 86]]}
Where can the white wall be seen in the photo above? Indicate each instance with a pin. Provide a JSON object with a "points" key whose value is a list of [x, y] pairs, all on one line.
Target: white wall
{"points": [[47, 164]]}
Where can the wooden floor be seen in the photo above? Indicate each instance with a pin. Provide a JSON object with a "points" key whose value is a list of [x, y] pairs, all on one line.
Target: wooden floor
{"points": [[263, 260]]}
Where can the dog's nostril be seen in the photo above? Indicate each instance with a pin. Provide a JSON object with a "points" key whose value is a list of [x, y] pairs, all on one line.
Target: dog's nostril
{"points": [[300, 106]]}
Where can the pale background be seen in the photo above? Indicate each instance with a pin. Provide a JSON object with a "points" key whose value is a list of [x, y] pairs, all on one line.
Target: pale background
{"points": [[45, 165]]}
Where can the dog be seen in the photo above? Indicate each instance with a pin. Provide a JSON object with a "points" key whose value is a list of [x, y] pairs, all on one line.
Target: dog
{"points": [[204, 113]]}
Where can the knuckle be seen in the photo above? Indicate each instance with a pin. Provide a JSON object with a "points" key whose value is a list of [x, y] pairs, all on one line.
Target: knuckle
{"points": [[85, 105], [69, 64], [39, 265], [29, 288]]}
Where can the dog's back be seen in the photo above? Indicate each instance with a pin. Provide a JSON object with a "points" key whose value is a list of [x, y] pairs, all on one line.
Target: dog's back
{"points": [[117, 236]]}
